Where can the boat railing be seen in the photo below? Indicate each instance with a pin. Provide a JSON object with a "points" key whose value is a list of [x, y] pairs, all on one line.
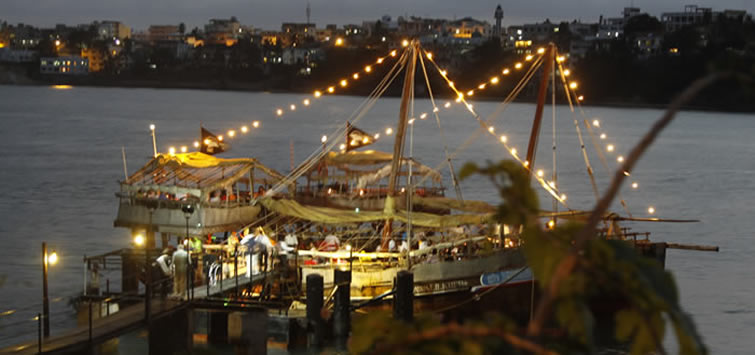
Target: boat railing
{"points": [[371, 192], [179, 203]]}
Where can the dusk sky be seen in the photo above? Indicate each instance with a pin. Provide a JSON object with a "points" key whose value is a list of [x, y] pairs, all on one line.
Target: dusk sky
{"points": [[268, 14]]}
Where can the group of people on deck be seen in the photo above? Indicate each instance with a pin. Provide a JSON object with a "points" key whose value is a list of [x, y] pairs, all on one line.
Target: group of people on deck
{"points": [[172, 264]]}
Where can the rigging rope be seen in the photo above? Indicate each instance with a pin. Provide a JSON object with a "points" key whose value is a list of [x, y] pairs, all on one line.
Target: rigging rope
{"points": [[454, 180]]}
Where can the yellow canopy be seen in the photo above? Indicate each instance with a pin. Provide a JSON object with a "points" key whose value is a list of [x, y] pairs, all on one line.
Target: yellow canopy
{"points": [[329, 215]]}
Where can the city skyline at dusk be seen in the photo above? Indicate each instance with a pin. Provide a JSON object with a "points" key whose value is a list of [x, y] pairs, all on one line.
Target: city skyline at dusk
{"points": [[139, 14]]}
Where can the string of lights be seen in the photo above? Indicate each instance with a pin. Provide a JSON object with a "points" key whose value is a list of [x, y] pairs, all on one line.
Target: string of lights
{"points": [[292, 107], [548, 186], [610, 148]]}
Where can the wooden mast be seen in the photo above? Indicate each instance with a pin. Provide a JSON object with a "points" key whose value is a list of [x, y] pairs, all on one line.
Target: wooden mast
{"points": [[535, 133], [398, 146]]}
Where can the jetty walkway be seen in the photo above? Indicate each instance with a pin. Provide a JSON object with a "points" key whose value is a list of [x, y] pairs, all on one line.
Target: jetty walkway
{"points": [[129, 318]]}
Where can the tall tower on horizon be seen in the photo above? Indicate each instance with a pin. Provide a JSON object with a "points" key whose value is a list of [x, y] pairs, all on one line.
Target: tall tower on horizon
{"points": [[309, 12], [497, 31]]}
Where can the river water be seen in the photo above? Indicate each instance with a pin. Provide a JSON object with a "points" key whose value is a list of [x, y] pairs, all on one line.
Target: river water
{"points": [[60, 163]]}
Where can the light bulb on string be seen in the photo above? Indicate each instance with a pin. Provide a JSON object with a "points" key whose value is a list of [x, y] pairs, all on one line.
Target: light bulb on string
{"points": [[506, 71], [389, 131], [256, 124], [231, 133], [355, 76], [305, 102], [610, 147], [318, 94], [503, 139], [367, 69], [279, 112], [602, 136], [196, 144], [184, 149], [293, 107], [494, 80], [518, 65], [635, 185], [244, 129]]}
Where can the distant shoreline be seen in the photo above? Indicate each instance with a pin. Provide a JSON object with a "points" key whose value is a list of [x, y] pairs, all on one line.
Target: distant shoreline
{"points": [[17, 77]]}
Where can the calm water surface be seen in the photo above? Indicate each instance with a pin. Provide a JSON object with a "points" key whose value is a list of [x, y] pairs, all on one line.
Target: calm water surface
{"points": [[60, 162]]}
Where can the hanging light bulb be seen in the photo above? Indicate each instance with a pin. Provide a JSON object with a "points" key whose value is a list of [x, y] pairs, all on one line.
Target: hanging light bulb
{"points": [[540, 50], [596, 123], [293, 107], [305, 102], [279, 112], [518, 65], [513, 151], [651, 210], [389, 131], [196, 144], [573, 85], [602, 136], [528, 57], [635, 185], [447, 104], [367, 69], [540, 173], [184, 149], [231, 133], [318, 94], [324, 139], [610, 147], [494, 80], [491, 129], [620, 159], [256, 124], [344, 83], [503, 139], [331, 89], [423, 116], [567, 72], [506, 71], [172, 150], [355, 76], [244, 129], [380, 60]]}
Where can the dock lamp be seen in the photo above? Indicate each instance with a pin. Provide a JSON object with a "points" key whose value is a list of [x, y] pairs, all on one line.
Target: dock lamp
{"points": [[47, 260], [188, 211], [139, 240]]}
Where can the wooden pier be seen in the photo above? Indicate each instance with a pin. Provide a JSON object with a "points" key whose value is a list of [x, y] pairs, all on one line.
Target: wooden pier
{"points": [[130, 318]]}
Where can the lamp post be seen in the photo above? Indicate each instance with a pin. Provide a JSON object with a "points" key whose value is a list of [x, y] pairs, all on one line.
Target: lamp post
{"points": [[188, 210], [47, 260]]}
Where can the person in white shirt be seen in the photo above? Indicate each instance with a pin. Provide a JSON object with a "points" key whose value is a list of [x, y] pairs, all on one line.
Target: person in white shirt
{"points": [[291, 240], [180, 266], [392, 246]]}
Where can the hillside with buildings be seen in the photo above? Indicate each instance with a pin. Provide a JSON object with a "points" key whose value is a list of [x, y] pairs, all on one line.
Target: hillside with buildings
{"points": [[632, 59]]}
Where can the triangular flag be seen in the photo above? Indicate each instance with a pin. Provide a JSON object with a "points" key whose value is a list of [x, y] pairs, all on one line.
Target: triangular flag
{"points": [[211, 144]]}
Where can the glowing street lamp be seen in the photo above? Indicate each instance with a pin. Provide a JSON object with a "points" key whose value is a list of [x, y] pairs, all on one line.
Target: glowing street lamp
{"points": [[47, 260]]}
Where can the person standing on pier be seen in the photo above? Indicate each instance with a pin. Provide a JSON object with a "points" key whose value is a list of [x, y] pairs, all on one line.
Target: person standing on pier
{"points": [[180, 266], [161, 273]]}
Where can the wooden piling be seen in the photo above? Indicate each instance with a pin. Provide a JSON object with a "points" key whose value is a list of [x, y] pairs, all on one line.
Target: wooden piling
{"points": [[341, 311], [403, 299], [315, 323]]}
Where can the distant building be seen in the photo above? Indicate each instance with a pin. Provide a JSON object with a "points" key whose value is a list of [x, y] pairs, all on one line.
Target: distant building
{"points": [[157, 33], [112, 29], [10, 55], [95, 59], [73, 65], [498, 15], [468, 28], [303, 30], [301, 55], [222, 31], [695, 15]]}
